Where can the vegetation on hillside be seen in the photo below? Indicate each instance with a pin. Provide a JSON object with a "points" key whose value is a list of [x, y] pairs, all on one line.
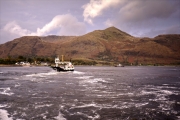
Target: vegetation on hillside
{"points": [[12, 60]]}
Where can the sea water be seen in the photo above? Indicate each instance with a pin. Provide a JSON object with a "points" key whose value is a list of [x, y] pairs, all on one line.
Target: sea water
{"points": [[90, 93]]}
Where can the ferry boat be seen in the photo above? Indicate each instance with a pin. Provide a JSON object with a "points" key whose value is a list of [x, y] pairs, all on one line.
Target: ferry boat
{"points": [[63, 65]]}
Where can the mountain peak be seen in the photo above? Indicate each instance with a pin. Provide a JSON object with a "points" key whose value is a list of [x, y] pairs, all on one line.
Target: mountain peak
{"points": [[112, 28], [111, 33], [116, 30]]}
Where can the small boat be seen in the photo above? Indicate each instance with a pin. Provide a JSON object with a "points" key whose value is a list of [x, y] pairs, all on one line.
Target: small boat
{"points": [[23, 64], [63, 65], [119, 65]]}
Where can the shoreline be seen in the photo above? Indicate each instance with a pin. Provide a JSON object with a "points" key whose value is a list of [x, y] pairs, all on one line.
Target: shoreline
{"points": [[3, 65]]}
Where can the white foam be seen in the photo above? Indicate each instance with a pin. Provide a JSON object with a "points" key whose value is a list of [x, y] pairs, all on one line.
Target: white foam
{"points": [[143, 92], [100, 80], [17, 85], [141, 104], [45, 105], [35, 75], [60, 117], [167, 92], [84, 77], [78, 72], [4, 115], [89, 79], [130, 94], [125, 105], [96, 117], [84, 106], [162, 87], [164, 107], [42, 74], [125, 94], [165, 84], [1, 105], [93, 80], [5, 91], [39, 77], [120, 94], [90, 117]]}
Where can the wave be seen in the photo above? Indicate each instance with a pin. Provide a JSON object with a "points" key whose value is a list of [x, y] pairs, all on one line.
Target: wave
{"points": [[2, 106], [60, 117], [6, 91], [4, 115], [42, 74], [85, 106], [90, 79], [17, 85], [85, 77], [78, 72], [41, 106]]}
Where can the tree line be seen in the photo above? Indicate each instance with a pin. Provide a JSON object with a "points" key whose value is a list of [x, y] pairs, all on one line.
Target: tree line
{"points": [[12, 60]]}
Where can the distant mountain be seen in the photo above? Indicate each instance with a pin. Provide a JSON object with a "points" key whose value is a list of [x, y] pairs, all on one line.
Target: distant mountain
{"points": [[111, 45]]}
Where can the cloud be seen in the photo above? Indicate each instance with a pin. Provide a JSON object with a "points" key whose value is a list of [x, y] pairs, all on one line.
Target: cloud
{"points": [[64, 24], [147, 17], [14, 28], [139, 10], [68, 25], [96, 7]]}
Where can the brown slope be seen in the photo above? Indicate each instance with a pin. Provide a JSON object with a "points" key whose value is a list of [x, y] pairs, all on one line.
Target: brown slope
{"points": [[57, 39], [27, 46], [80, 47], [171, 41], [156, 50], [90, 45]]}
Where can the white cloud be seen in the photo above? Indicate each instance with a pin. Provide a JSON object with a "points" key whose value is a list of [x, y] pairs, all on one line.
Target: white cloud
{"points": [[64, 24], [96, 7], [14, 28], [67, 24]]}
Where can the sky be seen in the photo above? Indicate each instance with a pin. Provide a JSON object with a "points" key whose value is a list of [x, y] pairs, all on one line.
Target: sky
{"points": [[139, 18]]}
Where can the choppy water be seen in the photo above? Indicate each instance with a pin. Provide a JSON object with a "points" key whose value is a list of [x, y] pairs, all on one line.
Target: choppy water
{"points": [[90, 93]]}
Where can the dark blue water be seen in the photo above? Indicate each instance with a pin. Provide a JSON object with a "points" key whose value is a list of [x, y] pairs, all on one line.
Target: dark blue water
{"points": [[90, 93]]}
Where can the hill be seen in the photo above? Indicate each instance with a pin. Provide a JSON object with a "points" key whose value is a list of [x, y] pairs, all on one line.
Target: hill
{"points": [[109, 45]]}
